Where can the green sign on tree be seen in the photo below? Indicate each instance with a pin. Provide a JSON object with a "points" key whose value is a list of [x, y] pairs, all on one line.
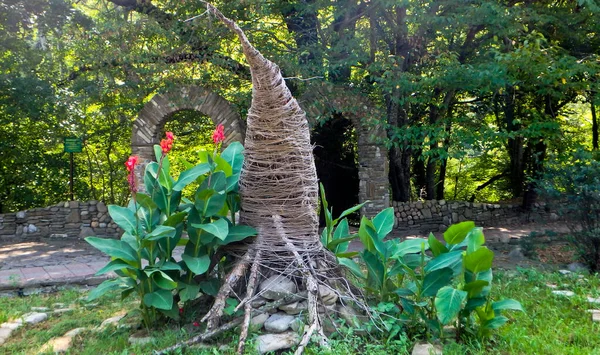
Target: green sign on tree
{"points": [[73, 145]]}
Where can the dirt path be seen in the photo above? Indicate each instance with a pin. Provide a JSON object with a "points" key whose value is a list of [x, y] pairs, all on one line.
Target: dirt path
{"points": [[502, 240]]}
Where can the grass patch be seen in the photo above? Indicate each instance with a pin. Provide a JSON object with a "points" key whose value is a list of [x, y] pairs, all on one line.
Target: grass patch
{"points": [[551, 324]]}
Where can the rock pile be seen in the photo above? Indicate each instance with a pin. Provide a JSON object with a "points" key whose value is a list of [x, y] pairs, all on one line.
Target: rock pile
{"points": [[282, 327]]}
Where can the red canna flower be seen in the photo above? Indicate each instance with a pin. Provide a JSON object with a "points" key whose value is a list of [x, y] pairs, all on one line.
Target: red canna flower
{"points": [[218, 135], [180, 310], [196, 324], [167, 144], [131, 163]]}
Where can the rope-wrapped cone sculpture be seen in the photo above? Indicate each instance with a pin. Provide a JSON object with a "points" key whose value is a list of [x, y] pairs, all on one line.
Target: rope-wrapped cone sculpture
{"points": [[278, 186], [279, 176]]}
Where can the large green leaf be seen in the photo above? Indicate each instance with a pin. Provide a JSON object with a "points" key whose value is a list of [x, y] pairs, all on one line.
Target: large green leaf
{"points": [[456, 233], [474, 288], [337, 242], [161, 232], [233, 155], [341, 231], [475, 239], [209, 202], [190, 175], [160, 299], [163, 176], [367, 234], [114, 248], [155, 190], [479, 260], [435, 280], [210, 286], [119, 283], [349, 211], [145, 201], [218, 228], [237, 233], [376, 270], [353, 266], [124, 218], [175, 219], [116, 264], [232, 183], [384, 222], [164, 281], [451, 260], [410, 246], [188, 292], [347, 254], [448, 303], [508, 304], [495, 322], [198, 265], [473, 303], [223, 165], [436, 246], [216, 181]]}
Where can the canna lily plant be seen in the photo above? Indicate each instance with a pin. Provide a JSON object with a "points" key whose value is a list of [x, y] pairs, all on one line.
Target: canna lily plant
{"points": [[158, 220]]}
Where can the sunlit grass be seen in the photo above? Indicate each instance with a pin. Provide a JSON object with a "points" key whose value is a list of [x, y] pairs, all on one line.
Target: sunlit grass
{"points": [[551, 324]]}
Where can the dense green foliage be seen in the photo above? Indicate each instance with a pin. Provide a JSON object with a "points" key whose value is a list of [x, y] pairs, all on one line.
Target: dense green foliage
{"points": [[153, 225], [573, 191], [474, 94]]}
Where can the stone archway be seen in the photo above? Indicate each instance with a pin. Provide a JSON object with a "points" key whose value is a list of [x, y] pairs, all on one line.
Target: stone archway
{"points": [[373, 163], [148, 126]]}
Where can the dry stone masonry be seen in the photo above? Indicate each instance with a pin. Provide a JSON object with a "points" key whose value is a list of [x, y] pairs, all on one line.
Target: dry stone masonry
{"points": [[73, 219], [434, 216], [282, 326]]}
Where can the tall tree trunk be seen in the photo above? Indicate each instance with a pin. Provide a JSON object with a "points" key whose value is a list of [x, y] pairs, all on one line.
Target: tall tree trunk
{"points": [[594, 123], [399, 154], [418, 173], [440, 188], [515, 145], [400, 174], [538, 157]]}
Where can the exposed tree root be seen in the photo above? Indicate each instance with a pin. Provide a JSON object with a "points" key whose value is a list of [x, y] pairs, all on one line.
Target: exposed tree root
{"points": [[247, 304], [209, 334], [231, 280]]}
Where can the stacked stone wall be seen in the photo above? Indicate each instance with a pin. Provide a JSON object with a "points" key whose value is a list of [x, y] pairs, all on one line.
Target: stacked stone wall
{"points": [[434, 216], [72, 219]]}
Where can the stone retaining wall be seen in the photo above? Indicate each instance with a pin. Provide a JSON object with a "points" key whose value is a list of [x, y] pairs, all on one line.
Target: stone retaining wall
{"points": [[72, 219], [434, 216]]}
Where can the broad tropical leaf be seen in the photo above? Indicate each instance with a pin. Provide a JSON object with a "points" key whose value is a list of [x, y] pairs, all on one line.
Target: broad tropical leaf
{"points": [[123, 217], [114, 248], [448, 302], [435, 280], [456, 233], [160, 299]]}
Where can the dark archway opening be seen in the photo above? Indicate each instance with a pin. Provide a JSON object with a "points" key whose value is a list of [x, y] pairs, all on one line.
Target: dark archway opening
{"points": [[337, 163]]}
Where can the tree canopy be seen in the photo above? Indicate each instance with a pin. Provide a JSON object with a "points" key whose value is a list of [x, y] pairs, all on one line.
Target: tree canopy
{"points": [[475, 96]]}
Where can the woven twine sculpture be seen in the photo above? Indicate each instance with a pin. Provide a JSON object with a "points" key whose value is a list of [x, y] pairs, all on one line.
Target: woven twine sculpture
{"points": [[279, 191]]}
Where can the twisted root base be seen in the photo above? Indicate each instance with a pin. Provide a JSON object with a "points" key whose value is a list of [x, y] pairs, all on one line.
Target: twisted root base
{"points": [[312, 272]]}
